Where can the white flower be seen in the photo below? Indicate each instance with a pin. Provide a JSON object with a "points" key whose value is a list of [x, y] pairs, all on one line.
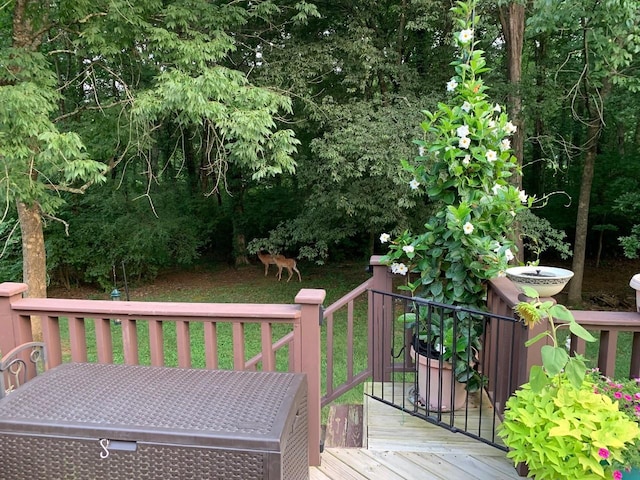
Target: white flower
{"points": [[508, 254], [414, 184], [463, 131], [510, 128], [505, 144], [464, 142], [467, 228], [451, 85], [421, 151], [567, 343], [466, 106], [497, 108], [440, 348], [385, 237], [495, 189], [523, 196], [408, 249], [399, 268], [491, 156], [466, 160], [492, 124], [466, 35]]}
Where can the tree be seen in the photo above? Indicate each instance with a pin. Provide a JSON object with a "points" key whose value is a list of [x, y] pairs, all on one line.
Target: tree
{"points": [[602, 39], [139, 65], [38, 160]]}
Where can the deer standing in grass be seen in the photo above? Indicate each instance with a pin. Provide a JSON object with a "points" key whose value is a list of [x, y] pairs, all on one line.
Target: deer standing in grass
{"points": [[281, 262], [266, 259], [289, 264]]}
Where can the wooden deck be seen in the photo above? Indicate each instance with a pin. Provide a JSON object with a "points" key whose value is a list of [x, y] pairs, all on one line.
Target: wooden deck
{"points": [[400, 446]]}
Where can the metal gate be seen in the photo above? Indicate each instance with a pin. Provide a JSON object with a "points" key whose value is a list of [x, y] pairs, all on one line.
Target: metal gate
{"points": [[429, 343]]}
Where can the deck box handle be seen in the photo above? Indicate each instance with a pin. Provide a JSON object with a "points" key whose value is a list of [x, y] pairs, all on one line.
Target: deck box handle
{"points": [[118, 445]]}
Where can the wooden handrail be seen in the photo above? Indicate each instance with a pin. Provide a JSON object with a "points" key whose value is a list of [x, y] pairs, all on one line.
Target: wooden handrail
{"points": [[303, 341]]}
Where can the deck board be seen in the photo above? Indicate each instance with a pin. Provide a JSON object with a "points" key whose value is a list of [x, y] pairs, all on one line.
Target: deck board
{"points": [[399, 446]]}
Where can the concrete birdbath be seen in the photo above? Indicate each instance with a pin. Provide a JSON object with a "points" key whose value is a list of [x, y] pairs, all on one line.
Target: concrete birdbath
{"points": [[547, 281]]}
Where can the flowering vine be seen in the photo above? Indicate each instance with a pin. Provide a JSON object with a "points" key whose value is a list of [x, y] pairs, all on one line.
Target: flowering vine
{"points": [[463, 166]]}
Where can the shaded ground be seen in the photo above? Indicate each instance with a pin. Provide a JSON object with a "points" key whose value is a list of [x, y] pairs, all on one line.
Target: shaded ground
{"points": [[604, 288]]}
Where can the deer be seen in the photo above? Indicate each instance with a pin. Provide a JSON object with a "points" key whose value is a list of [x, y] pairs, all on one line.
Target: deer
{"points": [[267, 259], [289, 263]]}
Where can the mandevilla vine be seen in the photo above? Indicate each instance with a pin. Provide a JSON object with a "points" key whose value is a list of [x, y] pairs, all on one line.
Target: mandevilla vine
{"points": [[463, 166]]}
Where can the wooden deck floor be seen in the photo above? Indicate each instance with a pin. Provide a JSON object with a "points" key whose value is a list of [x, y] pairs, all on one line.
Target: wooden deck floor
{"points": [[400, 446]]}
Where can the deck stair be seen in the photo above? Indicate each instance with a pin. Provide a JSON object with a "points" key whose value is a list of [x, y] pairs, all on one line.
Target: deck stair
{"points": [[398, 446]]}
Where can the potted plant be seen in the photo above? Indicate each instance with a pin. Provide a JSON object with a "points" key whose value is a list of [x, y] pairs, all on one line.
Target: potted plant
{"points": [[557, 423], [463, 167], [445, 348]]}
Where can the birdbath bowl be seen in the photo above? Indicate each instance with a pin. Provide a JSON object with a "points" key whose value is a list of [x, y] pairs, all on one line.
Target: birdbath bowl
{"points": [[547, 281]]}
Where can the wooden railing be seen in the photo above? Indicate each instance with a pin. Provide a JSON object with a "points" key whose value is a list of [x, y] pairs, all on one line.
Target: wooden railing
{"points": [[503, 296], [377, 333], [303, 342]]}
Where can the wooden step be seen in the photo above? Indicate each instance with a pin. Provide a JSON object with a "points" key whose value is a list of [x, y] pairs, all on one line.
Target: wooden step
{"points": [[344, 426]]}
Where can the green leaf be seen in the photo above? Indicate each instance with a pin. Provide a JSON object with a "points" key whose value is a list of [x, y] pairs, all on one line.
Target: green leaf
{"points": [[579, 331], [533, 340], [576, 371], [554, 359], [538, 379]]}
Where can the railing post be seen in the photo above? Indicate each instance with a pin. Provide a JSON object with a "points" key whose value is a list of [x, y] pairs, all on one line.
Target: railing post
{"points": [[308, 358], [380, 321], [14, 329]]}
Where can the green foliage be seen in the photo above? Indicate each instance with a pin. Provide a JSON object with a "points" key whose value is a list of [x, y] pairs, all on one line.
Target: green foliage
{"points": [[36, 158], [557, 423], [464, 165], [629, 204], [539, 236], [10, 249], [108, 228], [563, 432]]}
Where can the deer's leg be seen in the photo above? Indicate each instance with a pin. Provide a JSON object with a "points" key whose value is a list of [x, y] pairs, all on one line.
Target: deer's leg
{"points": [[279, 272], [266, 269], [298, 272], [290, 274]]}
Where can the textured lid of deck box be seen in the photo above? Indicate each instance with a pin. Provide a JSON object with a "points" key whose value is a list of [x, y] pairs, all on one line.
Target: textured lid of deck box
{"points": [[156, 404]]}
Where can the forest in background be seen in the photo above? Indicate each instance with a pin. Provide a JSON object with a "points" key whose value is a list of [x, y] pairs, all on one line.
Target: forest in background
{"points": [[162, 134]]}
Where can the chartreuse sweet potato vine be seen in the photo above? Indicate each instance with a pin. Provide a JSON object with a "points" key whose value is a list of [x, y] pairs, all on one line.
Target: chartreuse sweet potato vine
{"points": [[556, 423]]}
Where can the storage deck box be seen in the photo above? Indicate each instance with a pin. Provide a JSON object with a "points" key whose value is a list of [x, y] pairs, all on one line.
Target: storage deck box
{"points": [[119, 422]]}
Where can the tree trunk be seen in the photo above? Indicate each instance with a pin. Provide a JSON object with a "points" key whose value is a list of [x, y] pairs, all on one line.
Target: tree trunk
{"points": [[512, 20], [594, 129], [34, 260]]}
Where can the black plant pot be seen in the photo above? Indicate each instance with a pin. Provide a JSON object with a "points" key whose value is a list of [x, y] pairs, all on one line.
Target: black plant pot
{"points": [[425, 348]]}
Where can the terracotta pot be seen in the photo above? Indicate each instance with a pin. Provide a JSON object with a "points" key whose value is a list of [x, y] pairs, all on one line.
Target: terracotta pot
{"points": [[430, 383]]}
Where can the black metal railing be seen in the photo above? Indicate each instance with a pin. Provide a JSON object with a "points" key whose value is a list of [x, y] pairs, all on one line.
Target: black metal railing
{"points": [[452, 366]]}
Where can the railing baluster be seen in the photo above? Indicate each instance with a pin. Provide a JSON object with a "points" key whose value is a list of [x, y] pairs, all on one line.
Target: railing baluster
{"points": [[607, 352], [350, 351], [268, 357], [156, 343], [183, 341], [77, 339], [104, 342], [51, 335], [211, 344], [634, 367], [130, 342], [238, 346]]}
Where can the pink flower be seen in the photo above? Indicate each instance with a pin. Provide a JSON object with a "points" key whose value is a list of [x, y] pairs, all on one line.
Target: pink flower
{"points": [[628, 397], [637, 395], [617, 395], [604, 453], [617, 475]]}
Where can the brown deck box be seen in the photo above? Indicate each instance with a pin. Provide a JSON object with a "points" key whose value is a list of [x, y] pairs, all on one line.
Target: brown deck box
{"points": [[118, 422]]}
